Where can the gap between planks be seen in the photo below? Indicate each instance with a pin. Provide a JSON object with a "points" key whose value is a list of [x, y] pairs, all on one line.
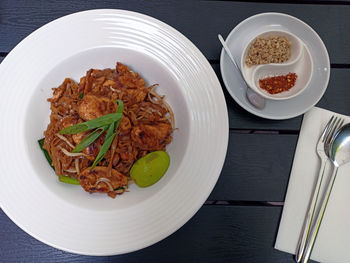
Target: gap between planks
{"points": [[248, 131], [333, 65], [305, 2], [242, 203], [217, 61]]}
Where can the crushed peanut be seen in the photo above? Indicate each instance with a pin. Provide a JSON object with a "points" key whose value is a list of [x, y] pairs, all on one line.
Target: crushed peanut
{"points": [[275, 49]]}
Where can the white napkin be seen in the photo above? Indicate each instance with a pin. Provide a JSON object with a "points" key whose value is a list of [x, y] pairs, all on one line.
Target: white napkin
{"points": [[333, 240]]}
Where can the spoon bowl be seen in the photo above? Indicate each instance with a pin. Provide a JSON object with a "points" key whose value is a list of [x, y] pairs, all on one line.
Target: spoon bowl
{"points": [[340, 146]]}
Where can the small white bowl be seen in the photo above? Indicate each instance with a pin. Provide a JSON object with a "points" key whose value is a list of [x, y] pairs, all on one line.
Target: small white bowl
{"points": [[300, 63]]}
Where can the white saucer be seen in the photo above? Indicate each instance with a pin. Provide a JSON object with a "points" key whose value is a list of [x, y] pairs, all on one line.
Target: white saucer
{"points": [[255, 25]]}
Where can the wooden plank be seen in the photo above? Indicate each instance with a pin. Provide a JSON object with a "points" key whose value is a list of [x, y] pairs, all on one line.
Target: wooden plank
{"points": [[13, 29], [310, 2], [328, 21], [214, 234], [256, 168], [18, 19], [336, 98]]}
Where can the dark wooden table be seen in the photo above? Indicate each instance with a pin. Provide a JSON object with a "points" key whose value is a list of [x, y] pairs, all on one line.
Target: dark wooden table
{"points": [[239, 221]]}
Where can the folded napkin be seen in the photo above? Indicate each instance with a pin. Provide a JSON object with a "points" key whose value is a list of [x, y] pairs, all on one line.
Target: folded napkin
{"points": [[333, 240]]}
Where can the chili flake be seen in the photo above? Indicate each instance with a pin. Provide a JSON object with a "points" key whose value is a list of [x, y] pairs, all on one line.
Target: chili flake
{"points": [[278, 84]]}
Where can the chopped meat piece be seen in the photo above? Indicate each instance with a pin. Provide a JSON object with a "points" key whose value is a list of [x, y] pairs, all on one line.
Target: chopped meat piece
{"points": [[97, 180], [93, 107], [151, 137]]}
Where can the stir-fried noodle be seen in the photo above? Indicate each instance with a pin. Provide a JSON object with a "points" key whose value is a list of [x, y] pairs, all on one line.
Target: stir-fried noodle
{"points": [[146, 125]]}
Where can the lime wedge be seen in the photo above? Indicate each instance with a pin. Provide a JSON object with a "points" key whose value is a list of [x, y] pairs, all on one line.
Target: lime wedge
{"points": [[149, 169]]}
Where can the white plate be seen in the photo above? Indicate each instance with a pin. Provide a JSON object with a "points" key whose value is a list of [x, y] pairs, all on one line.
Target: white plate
{"points": [[238, 39], [65, 216]]}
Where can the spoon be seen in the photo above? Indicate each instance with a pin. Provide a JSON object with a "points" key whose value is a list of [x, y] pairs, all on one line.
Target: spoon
{"points": [[254, 98], [339, 154]]}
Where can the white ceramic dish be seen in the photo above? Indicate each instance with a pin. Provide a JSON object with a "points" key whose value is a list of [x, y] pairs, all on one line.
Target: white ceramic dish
{"points": [[300, 63], [65, 216], [238, 40]]}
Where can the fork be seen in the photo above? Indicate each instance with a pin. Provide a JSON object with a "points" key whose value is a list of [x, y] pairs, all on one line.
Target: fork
{"points": [[322, 150]]}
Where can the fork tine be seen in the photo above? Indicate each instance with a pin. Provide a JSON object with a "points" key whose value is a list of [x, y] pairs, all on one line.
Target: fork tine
{"points": [[337, 125], [340, 124], [328, 128]]}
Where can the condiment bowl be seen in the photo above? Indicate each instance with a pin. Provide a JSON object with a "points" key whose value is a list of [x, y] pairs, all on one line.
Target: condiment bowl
{"points": [[300, 62]]}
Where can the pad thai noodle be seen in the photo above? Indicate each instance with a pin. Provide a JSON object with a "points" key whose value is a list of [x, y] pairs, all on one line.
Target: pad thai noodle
{"points": [[145, 124]]}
